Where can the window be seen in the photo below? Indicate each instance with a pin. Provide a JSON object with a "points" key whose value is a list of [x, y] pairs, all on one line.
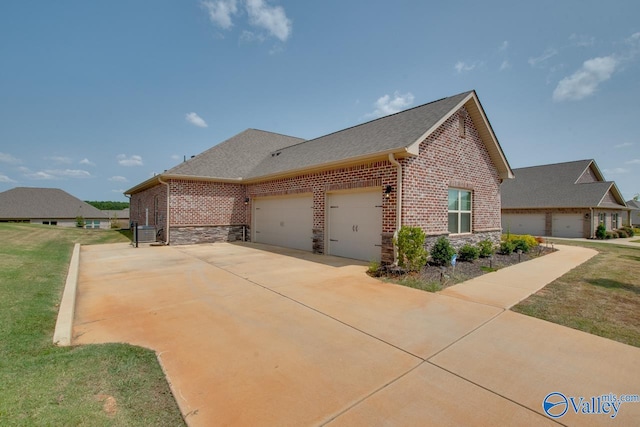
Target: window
{"points": [[601, 218], [614, 221], [459, 211]]}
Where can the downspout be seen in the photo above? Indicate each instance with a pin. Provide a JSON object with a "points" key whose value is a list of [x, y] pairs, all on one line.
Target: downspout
{"points": [[591, 232], [167, 215], [398, 166]]}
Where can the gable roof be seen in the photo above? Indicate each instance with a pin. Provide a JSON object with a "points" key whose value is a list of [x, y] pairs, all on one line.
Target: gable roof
{"points": [[557, 186], [243, 159], [23, 203], [633, 204]]}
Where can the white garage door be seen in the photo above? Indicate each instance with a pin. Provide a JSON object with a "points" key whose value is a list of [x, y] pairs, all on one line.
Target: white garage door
{"points": [[568, 225], [284, 221], [524, 224], [355, 224]]}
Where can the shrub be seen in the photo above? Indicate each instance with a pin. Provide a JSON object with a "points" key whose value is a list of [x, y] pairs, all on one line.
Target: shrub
{"points": [[611, 235], [601, 232], [411, 252], [80, 222], [442, 251], [468, 253], [521, 244], [486, 249], [629, 231], [531, 241], [374, 268], [507, 247], [622, 233]]}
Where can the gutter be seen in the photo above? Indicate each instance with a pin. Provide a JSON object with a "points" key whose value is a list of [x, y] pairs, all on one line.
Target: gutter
{"points": [[591, 232], [167, 216], [398, 166]]}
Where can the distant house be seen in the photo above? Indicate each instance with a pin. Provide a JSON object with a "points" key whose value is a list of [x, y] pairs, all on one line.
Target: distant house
{"points": [[634, 205], [118, 218], [437, 166], [563, 200], [50, 206]]}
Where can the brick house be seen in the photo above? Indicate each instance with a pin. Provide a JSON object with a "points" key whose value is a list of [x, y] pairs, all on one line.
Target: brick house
{"points": [[438, 166], [563, 200]]}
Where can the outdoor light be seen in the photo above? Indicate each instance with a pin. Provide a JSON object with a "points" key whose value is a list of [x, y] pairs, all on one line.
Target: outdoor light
{"points": [[246, 201], [387, 191]]}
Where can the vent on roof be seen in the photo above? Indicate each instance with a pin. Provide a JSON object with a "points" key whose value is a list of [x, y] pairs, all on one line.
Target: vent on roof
{"points": [[277, 153]]}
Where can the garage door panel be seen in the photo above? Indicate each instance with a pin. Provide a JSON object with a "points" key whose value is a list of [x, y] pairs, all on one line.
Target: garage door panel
{"points": [[568, 225], [355, 225], [284, 221], [533, 224]]}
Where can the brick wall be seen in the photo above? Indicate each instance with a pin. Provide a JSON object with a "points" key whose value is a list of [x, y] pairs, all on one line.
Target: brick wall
{"points": [[451, 158], [154, 201]]}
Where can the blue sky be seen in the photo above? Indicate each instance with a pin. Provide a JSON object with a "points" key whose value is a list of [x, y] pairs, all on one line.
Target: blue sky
{"points": [[96, 97]]}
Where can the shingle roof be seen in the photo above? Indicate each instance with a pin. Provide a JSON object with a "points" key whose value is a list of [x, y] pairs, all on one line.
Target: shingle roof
{"points": [[633, 204], [22, 203], [555, 186], [235, 157], [385, 134]]}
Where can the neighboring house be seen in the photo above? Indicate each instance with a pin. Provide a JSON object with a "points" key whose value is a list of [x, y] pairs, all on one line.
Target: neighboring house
{"points": [[50, 206], [634, 214], [562, 200], [437, 166], [118, 218]]}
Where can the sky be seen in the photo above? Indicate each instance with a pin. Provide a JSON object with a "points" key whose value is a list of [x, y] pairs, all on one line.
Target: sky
{"points": [[98, 96]]}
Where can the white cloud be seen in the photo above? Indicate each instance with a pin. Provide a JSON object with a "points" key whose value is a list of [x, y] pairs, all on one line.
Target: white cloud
{"points": [[220, 12], [585, 81], [196, 120], [503, 46], [5, 178], [505, 65], [118, 191], [8, 158], [118, 178], [61, 160], [68, 173], [462, 66], [615, 171], [87, 162], [623, 145], [41, 175], [582, 40], [271, 18], [633, 162], [386, 105], [134, 160], [547, 54], [250, 36]]}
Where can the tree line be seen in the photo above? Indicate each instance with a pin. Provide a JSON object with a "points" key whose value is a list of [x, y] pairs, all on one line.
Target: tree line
{"points": [[108, 206]]}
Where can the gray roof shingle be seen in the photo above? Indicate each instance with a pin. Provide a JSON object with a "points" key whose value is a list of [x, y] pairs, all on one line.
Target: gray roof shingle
{"points": [[555, 186], [22, 203], [235, 157]]}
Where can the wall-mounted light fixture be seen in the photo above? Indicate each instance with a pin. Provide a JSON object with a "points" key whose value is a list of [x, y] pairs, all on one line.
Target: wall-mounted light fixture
{"points": [[387, 191], [246, 201]]}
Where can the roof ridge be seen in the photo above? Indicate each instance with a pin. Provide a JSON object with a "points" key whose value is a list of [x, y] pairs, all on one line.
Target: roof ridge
{"points": [[555, 164]]}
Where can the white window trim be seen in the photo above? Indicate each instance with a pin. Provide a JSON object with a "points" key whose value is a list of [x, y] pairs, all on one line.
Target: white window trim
{"points": [[460, 211]]}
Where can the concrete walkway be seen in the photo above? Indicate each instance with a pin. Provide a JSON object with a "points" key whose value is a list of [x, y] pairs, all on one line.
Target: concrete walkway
{"points": [[626, 241], [254, 335]]}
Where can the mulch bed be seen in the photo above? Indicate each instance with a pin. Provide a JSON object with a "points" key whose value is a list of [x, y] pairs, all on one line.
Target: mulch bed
{"points": [[468, 270]]}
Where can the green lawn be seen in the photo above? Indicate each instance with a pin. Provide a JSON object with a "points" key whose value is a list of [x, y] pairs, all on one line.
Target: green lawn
{"points": [[601, 296], [41, 384]]}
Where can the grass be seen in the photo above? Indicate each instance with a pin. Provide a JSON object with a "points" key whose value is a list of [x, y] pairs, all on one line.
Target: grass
{"points": [[601, 296], [41, 384]]}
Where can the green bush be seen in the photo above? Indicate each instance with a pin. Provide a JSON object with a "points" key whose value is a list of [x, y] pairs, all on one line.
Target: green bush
{"points": [[601, 232], [629, 231], [411, 252], [374, 268], [507, 247], [468, 253], [622, 233], [611, 235], [485, 248], [531, 241], [521, 244], [80, 222], [442, 251]]}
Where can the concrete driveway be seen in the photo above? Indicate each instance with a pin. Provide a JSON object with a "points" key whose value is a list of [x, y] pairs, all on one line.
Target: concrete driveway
{"points": [[255, 335]]}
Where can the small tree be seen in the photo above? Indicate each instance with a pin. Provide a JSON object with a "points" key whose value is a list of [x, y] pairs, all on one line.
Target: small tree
{"points": [[601, 232], [80, 222], [411, 252], [442, 251]]}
